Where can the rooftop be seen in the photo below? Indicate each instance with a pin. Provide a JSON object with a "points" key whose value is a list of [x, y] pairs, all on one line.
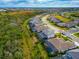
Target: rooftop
{"points": [[61, 45], [48, 32], [74, 53]]}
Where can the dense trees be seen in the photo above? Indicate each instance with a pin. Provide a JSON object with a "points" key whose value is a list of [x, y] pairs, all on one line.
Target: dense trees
{"points": [[10, 35], [16, 40]]}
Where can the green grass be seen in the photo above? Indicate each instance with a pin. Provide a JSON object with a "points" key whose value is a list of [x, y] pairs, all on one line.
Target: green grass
{"points": [[63, 19], [59, 35], [76, 34]]}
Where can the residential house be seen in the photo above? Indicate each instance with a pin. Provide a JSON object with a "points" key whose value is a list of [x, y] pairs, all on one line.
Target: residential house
{"points": [[69, 24], [46, 34], [53, 19], [35, 23], [58, 45], [61, 24], [39, 28]]}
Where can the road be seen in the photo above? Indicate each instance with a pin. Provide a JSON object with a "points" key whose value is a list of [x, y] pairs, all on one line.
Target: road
{"points": [[68, 33], [45, 21]]}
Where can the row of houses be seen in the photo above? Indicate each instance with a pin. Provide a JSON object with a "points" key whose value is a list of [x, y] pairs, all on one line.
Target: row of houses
{"points": [[73, 30], [55, 45], [59, 23], [58, 45], [41, 29], [69, 24]]}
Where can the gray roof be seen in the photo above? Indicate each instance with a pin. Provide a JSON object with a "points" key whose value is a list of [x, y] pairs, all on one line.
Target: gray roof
{"points": [[42, 36], [61, 24], [50, 47], [35, 20], [52, 18], [48, 32], [69, 24], [74, 53]]}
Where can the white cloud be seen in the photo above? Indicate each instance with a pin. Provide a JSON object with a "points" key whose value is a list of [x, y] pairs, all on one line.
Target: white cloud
{"points": [[33, 3]]}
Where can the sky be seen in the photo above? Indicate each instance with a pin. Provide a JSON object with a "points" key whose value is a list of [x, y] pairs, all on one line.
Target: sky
{"points": [[39, 3]]}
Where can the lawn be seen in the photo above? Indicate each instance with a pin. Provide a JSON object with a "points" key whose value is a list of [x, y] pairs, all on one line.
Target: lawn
{"points": [[59, 35], [63, 19], [76, 34]]}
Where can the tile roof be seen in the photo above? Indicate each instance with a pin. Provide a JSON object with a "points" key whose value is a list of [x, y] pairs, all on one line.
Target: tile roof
{"points": [[61, 45]]}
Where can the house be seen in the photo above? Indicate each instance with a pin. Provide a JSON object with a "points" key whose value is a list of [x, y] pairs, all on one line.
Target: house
{"points": [[72, 23], [76, 21], [43, 32], [35, 24], [72, 54], [50, 48], [53, 19], [69, 24], [58, 45], [61, 24], [49, 33], [46, 34], [34, 21], [40, 28]]}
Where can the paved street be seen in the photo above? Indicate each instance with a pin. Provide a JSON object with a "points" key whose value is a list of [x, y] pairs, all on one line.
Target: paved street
{"points": [[45, 21]]}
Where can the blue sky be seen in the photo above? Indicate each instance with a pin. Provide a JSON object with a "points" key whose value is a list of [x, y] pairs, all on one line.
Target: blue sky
{"points": [[39, 3]]}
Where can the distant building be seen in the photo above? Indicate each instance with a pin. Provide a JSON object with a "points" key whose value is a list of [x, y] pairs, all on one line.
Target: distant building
{"points": [[2, 10], [72, 54], [58, 45]]}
